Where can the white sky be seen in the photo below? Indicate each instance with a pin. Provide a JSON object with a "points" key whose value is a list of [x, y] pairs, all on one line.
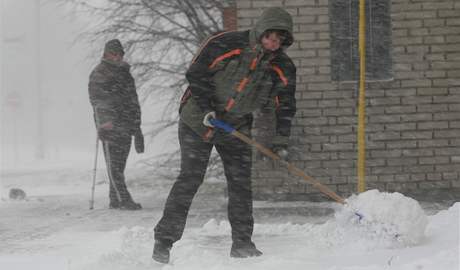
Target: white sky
{"points": [[65, 64], [67, 117]]}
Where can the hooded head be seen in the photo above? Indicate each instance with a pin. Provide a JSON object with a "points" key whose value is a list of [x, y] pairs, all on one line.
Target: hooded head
{"points": [[273, 18], [114, 46]]}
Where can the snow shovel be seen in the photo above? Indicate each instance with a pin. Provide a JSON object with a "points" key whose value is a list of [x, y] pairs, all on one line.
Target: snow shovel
{"points": [[291, 168], [322, 188]]}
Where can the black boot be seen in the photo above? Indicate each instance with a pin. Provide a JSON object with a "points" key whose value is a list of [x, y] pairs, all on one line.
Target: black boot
{"points": [[130, 205], [244, 250], [161, 251], [114, 204]]}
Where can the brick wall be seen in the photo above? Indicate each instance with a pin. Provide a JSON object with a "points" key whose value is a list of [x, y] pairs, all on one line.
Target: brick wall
{"points": [[229, 18], [413, 121]]}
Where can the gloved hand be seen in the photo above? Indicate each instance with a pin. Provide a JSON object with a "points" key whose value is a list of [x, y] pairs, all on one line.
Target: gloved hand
{"points": [[281, 151], [208, 117], [139, 141], [105, 131]]}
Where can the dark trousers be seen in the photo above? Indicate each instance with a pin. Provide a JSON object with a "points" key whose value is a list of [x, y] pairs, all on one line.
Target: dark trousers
{"points": [[116, 153], [236, 157]]}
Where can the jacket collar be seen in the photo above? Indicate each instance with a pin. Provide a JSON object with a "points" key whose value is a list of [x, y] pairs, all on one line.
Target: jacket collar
{"points": [[118, 64]]}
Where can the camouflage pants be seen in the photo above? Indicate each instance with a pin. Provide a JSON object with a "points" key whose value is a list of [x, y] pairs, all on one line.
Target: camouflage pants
{"points": [[195, 153], [116, 153]]}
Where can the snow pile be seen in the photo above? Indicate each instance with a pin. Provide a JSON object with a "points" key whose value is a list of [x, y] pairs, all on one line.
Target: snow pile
{"points": [[134, 251], [388, 220], [446, 219], [444, 226], [35, 262], [216, 228], [389, 216], [331, 246]]}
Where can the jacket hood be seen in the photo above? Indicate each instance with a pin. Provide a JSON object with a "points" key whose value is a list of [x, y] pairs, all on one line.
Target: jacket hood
{"points": [[114, 46], [273, 18]]}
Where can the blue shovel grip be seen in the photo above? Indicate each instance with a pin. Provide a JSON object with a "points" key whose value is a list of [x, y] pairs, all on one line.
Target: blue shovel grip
{"points": [[222, 125]]}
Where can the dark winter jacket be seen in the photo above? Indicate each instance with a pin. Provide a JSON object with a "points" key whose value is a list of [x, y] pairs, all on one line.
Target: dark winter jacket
{"points": [[234, 76], [112, 93]]}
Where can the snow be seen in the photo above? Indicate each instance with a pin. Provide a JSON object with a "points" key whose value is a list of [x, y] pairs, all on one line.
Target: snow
{"points": [[391, 216], [53, 229]]}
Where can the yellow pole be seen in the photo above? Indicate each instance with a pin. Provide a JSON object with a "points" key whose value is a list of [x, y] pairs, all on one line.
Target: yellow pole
{"points": [[362, 99]]}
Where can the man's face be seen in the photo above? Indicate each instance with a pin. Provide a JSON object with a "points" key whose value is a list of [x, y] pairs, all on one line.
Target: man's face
{"points": [[271, 41], [114, 57]]}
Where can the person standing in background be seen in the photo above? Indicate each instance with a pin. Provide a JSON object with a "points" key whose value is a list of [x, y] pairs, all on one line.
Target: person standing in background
{"points": [[117, 116]]}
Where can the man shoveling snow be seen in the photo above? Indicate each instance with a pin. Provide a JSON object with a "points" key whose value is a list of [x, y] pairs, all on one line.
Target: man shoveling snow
{"points": [[233, 75]]}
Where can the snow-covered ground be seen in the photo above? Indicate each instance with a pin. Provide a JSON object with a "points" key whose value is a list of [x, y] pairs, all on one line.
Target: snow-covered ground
{"points": [[53, 229]]}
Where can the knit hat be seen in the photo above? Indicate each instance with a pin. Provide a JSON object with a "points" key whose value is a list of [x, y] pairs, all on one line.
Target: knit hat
{"points": [[114, 46]]}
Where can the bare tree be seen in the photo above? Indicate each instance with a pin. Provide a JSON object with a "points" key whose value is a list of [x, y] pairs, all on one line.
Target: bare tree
{"points": [[160, 38]]}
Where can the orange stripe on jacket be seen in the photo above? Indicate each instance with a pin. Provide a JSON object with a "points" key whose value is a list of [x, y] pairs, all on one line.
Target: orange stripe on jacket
{"points": [[206, 43], [224, 56], [207, 134], [242, 84], [253, 64], [186, 95], [281, 74], [230, 104]]}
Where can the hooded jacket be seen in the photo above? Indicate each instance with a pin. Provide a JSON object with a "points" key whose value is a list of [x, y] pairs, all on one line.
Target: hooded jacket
{"points": [[233, 75]]}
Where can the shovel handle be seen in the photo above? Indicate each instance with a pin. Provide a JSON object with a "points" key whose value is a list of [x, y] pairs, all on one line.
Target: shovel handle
{"points": [[291, 168]]}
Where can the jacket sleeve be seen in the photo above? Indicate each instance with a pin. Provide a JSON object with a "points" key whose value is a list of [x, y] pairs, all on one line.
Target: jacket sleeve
{"points": [[133, 99], [285, 87], [199, 75], [100, 95]]}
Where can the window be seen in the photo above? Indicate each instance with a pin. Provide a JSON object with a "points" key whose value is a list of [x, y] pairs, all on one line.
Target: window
{"points": [[344, 24]]}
